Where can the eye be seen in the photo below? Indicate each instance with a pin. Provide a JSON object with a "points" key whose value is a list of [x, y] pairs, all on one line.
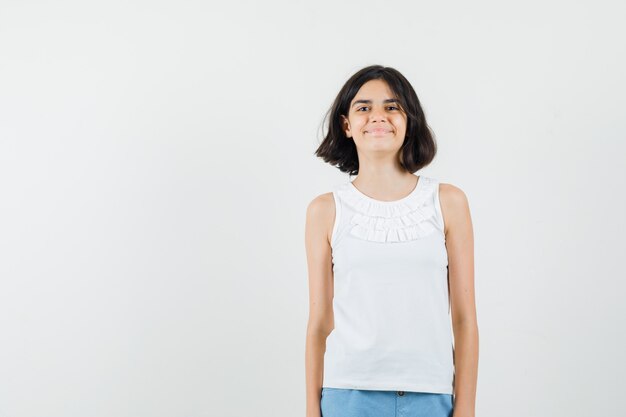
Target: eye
{"points": [[388, 107]]}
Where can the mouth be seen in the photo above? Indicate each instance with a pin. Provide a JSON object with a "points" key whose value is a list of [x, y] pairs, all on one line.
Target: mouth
{"points": [[378, 131]]}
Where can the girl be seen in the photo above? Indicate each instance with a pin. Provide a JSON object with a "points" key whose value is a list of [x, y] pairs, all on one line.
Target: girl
{"points": [[392, 328]]}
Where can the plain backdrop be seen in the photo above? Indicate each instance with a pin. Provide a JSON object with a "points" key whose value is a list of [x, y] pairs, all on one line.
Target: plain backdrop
{"points": [[156, 162]]}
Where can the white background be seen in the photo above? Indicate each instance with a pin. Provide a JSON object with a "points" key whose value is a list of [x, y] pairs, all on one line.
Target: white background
{"points": [[156, 162]]}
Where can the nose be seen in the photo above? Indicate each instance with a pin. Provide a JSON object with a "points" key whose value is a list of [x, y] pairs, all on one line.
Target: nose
{"points": [[377, 114]]}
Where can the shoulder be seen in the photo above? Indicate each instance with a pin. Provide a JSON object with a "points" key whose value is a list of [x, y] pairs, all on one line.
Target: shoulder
{"points": [[320, 212], [454, 205], [451, 194], [321, 205]]}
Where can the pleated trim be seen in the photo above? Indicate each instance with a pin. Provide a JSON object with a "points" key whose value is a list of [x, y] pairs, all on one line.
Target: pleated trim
{"points": [[391, 221]]}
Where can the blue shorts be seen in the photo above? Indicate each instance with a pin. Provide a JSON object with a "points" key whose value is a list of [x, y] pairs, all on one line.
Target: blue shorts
{"points": [[344, 402]]}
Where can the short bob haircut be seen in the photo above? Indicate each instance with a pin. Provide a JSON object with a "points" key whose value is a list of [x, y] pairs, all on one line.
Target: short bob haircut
{"points": [[419, 147]]}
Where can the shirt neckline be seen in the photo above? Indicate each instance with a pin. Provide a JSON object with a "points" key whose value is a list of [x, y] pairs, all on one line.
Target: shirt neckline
{"points": [[417, 187]]}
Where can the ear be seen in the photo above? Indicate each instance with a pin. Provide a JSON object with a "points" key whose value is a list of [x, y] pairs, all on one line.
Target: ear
{"points": [[346, 126]]}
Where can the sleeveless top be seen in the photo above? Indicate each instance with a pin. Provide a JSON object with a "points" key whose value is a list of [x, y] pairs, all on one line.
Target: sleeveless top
{"points": [[391, 303]]}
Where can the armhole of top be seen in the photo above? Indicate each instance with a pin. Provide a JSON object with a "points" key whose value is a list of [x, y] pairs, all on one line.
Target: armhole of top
{"points": [[333, 236], [438, 209]]}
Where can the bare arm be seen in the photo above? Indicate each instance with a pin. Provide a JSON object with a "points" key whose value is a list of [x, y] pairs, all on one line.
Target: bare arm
{"points": [[319, 220], [460, 247]]}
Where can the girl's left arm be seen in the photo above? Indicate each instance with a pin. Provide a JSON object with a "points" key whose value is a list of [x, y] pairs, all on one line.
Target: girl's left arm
{"points": [[460, 248]]}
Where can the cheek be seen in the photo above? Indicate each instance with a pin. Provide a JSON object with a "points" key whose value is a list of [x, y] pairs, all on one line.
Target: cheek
{"points": [[400, 122], [358, 123]]}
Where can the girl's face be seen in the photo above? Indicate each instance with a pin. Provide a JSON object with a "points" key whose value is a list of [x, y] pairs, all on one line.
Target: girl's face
{"points": [[375, 120]]}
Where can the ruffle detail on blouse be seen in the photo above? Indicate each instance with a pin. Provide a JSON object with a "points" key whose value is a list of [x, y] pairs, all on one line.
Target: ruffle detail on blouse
{"points": [[395, 221]]}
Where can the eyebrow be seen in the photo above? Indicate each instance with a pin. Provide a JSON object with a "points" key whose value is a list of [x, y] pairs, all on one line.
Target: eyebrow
{"points": [[389, 100]]}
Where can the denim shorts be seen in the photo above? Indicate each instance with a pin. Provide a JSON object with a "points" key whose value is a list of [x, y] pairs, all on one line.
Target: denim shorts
{"points": [[344, 402]]}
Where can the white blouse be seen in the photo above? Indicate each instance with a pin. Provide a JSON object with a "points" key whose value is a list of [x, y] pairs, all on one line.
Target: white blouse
{"points": [[391, 301]]}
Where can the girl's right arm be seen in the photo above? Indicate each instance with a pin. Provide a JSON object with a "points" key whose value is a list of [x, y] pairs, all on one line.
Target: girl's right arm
{"points": [[319, 221]]}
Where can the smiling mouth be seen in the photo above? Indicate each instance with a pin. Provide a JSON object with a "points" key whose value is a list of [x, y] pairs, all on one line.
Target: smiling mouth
{"points": [[378, 131]]}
